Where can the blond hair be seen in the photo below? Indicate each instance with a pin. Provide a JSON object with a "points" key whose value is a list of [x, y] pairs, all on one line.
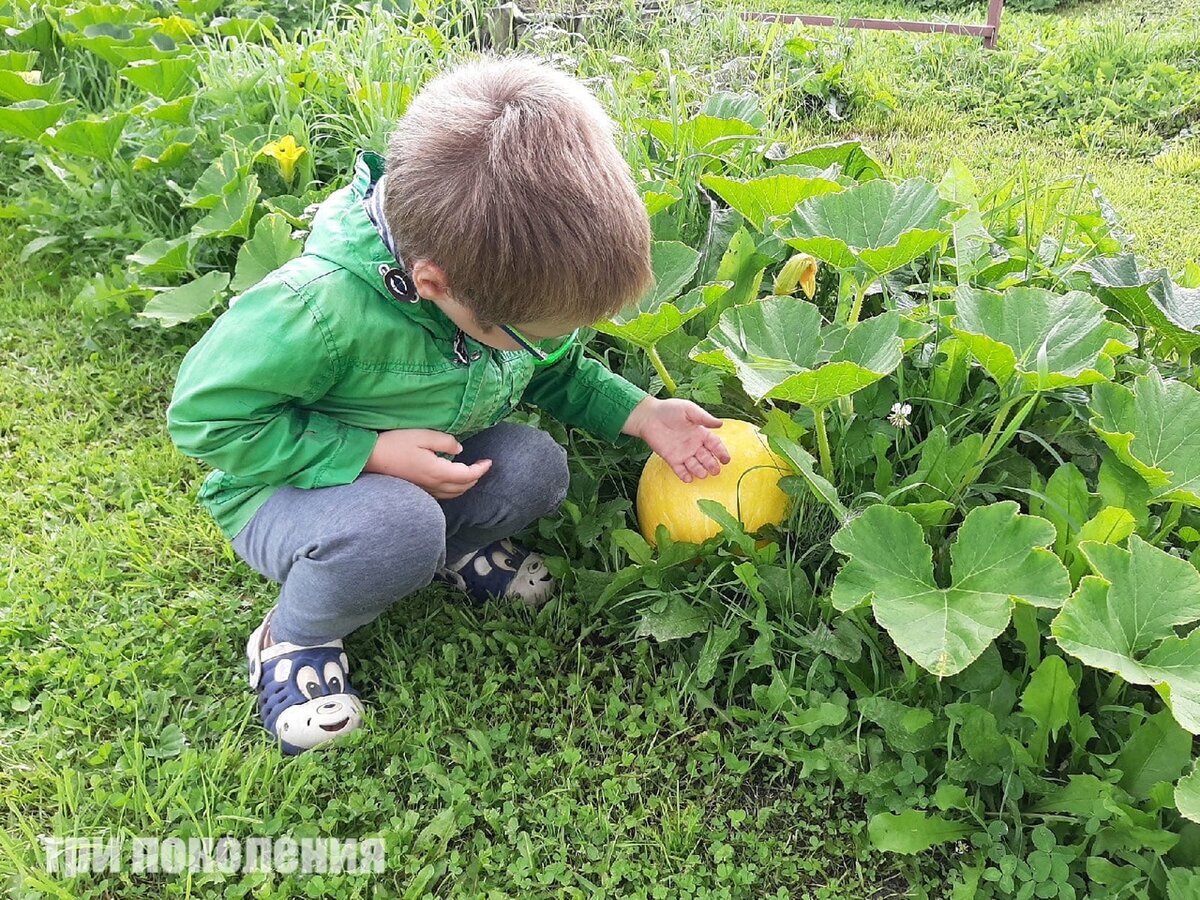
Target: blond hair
{"points": [[506, 174]]}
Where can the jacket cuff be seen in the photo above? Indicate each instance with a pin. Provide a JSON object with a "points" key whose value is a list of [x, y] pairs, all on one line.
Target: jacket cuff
{"points": [[349, 458], [614, 402]]}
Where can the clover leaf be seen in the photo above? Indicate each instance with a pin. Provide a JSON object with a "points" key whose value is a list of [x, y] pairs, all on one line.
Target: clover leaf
{"points": [[1123, 620], [998, 557], [1154, 428], [1045, 340]]}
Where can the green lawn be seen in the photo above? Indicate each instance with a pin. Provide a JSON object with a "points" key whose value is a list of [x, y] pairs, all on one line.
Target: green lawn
{"points": [[505, 754]]}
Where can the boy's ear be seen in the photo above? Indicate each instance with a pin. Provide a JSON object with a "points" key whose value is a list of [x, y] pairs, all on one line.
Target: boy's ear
{"points": [[430, 281]]}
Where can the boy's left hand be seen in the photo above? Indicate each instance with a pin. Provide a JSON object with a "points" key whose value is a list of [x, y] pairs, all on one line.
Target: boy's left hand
{"points": [[681, 433]]}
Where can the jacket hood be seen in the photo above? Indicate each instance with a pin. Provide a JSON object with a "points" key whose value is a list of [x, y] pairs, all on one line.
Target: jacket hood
{"points": [[343, 234]]}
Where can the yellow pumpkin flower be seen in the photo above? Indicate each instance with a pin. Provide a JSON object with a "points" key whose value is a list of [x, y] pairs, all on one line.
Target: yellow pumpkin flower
{"points": [[286, 154], [799, 271]]}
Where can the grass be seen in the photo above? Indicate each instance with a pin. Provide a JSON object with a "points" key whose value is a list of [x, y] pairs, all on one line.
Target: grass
{"points": [[505, 754]]}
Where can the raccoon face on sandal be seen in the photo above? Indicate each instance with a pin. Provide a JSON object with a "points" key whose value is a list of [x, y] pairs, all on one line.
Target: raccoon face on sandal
{"points": [[304, 694], [501, 569]]}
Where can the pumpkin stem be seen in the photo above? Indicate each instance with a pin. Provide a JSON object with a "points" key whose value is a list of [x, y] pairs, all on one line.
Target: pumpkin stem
{"points": [[823, 443], [667, 380]]}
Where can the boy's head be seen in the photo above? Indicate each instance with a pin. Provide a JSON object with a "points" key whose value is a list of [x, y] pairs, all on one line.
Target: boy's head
{"points": [[511, 204]]}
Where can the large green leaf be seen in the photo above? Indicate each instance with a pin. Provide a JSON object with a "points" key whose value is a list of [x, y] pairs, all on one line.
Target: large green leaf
{"points": [[95, 137], [18, 86], [849, 156], [271, 246], [1045, 340], [187, 302], [166, 78], [646, 323], [1154, 428], [30, 118], [1173, 311], [999, 556], [160, 256], [760, 199], [1123, 620], [872, 228], [231, 216], [219, 178], [702, 132], [661, 310], [1187, 794], [779, 351]]}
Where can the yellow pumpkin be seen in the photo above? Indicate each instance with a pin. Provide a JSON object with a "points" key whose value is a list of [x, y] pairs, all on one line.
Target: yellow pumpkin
{"points": [[748, 487]]}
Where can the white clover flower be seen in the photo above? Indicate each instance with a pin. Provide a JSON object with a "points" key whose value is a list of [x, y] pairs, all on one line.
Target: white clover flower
{"points": [[900, 414]]}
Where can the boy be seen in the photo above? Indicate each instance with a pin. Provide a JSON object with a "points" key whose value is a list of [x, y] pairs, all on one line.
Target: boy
{"points": [[351, 402]]}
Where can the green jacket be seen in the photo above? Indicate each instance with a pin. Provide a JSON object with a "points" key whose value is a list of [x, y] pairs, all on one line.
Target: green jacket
{"points": [[292, 384]]}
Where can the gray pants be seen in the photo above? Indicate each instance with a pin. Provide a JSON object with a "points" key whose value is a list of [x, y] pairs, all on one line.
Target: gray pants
{"points": [[344, 554]]}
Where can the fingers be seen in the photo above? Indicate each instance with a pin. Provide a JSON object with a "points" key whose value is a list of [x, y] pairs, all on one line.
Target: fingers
{"points": [[439, 442], [695, 467], [452, 474], [716, 447], [681, 471], [705, 458], [703, 417]]}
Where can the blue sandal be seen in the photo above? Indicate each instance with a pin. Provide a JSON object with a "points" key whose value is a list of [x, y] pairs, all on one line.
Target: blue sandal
{"points": [[304, 695], [501, 569]]}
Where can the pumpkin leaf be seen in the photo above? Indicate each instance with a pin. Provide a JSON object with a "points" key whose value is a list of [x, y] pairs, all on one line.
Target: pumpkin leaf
{"points": [[742, 265], [660, 195], [1123, 620], [162, 257], [1154, 428], [271, 246], [1187, 794], [167, 154], [644, 325], [743, 106], [661, 310], [29, 118], [779, 351], [167, 79], [869, 229], [854, 161], [702, 132], [760, 199], [95, 137], [219, 178], [999, 556], [1171, 310], [17, 86], [1046, 340], [188, 301], [231, 216]]}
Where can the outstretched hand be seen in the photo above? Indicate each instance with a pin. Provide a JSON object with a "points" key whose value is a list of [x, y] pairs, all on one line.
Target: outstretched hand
{"points": [[682, 433]]}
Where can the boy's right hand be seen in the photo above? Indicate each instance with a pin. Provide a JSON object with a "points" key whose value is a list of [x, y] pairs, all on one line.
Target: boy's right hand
{"points": [[412, 454]]}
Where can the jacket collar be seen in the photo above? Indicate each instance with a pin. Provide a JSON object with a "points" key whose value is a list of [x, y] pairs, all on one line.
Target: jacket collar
{"points": [[343, 233]]}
